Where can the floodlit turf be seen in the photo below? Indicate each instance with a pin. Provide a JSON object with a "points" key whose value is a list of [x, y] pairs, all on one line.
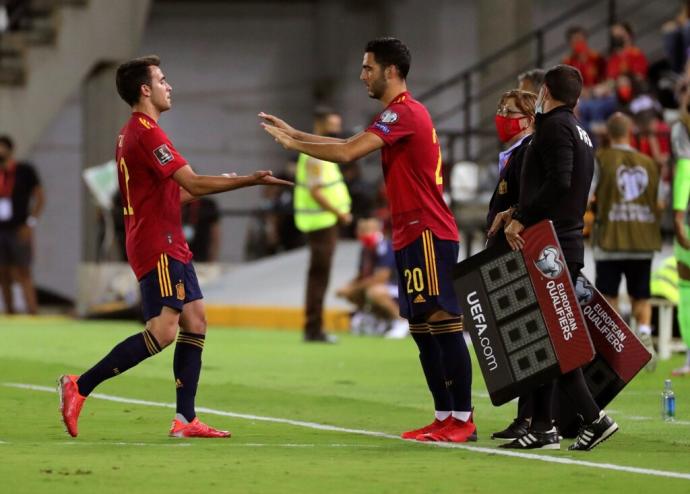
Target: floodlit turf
{"points": [[361, 383]]}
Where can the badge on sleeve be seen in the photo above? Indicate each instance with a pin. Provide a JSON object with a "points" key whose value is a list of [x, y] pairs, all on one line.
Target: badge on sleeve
{"points": [[388, 117], [163, 154]]}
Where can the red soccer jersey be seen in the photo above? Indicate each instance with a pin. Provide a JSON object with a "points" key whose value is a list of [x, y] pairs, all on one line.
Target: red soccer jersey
{"points": [[411, 160], [146, 161]]}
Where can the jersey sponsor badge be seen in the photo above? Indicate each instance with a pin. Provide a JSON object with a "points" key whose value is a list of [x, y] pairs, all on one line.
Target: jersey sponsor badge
{"points": [[388, 117], [163, 154]]}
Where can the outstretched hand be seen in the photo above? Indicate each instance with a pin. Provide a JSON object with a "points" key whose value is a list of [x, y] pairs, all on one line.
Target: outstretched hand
{"points": [[280, 136], [277, 122], [265, 177]]}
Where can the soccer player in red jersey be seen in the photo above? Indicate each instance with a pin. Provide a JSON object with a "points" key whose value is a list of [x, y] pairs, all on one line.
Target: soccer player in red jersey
{"points": [[425, 235], [154, 181]]}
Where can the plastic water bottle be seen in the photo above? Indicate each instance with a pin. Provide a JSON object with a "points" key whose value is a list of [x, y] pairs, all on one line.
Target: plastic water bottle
{"points": [[668, 402]]}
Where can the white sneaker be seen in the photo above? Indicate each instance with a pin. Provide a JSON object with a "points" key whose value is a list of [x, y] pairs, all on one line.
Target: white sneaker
{"points": [[399, 329]]}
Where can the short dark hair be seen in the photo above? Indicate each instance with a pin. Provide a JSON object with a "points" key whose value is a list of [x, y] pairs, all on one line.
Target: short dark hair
{"points": [[573, 30], [7, 141], [390, 51], [564, 83], [132, 74]]}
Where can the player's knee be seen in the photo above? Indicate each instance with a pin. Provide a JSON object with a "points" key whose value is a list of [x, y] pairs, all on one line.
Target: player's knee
{"points": [[198, 325]]}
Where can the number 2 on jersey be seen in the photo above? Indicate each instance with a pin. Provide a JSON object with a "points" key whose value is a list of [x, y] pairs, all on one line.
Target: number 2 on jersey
{"points": [[439, 176], [127, 210]]}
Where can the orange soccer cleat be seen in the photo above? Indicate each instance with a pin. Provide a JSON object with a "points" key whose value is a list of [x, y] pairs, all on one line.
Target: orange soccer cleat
{"points": [[455, 431], [70, 402], [195, 428], [432, 427]]}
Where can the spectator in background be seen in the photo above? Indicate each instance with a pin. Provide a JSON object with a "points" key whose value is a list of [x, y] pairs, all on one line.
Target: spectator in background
{"points": [[653, 135], [201, 227], [627, 228], [676, 38], [531, 80], [21, 203], [625, 57], [375, 289], [590, 63], [322, 203]]}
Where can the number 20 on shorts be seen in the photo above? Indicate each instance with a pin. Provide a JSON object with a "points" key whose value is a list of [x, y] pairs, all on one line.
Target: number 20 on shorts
{"points": [[414, 279]]}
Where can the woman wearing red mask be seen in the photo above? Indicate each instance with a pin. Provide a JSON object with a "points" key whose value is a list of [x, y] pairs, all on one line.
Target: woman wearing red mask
{"points": [[514, 125]]}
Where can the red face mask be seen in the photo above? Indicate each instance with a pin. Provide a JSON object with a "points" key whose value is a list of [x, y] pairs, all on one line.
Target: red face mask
{"points": [[370, 240], [580, 47], [507, 128], [625, 93]]}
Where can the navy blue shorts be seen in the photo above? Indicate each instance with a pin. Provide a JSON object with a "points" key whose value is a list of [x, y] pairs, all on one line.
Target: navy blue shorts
{"points": [[171, 284], [425, 276]]}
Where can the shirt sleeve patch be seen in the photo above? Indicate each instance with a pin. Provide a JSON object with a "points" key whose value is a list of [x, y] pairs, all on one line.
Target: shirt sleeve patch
{"points": [[383, 128], [163, 154], [388, 117]]}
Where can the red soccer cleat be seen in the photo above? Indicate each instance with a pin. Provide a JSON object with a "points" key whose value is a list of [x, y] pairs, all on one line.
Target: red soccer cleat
{"points": [[456, 431], [70, 402], [195, 428], [432, 427]]}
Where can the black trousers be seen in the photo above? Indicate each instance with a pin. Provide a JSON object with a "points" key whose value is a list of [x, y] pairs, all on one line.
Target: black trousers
{"points": [[573, 384]]}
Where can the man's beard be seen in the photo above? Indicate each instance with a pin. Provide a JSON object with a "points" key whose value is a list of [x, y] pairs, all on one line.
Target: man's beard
{"points": [[377, 89]]}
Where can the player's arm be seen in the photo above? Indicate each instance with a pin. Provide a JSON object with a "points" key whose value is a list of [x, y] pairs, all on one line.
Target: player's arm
{"points": [[339, 152], [201, 185], [298, 134], [186, 196]]}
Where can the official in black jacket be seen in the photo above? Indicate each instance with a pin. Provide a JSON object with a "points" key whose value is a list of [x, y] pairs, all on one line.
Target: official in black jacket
{"points": [[514, 125], [554, 185]]}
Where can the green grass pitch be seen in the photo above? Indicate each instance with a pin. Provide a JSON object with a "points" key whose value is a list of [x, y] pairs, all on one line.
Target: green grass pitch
{"points": [[362, 383]]}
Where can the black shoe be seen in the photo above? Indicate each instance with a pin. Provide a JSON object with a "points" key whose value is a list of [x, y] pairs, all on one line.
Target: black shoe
{"points": [[596, 432], [535, 440], [321, 338], [518, 428]]}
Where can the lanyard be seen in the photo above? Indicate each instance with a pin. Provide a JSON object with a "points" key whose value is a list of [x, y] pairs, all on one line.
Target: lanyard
{"points": [[7, 179]]}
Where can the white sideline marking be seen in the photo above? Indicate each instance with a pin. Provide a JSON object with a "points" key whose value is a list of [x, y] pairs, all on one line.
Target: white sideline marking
{"points": [[333, 428], [120, 443]]}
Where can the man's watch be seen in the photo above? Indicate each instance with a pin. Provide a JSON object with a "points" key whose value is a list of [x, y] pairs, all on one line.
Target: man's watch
{"points": [[31, 221]]}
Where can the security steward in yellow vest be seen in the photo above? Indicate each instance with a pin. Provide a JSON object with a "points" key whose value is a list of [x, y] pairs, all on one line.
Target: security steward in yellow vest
{"points": [[321, 203], [626, 228]]}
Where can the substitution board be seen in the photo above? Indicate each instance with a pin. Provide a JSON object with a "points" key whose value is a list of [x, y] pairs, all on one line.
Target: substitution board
{"points": [[522, 314]]}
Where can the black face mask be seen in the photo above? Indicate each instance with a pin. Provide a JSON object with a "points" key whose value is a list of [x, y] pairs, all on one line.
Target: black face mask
{"points": [[617, 42]]}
